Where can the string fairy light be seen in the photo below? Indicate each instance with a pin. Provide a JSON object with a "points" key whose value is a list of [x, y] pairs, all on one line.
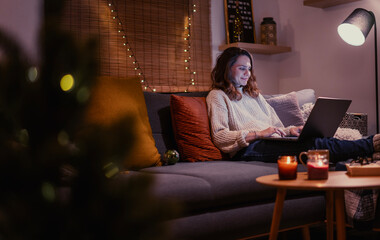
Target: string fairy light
{"points": [[131, 54], [187, 38]]}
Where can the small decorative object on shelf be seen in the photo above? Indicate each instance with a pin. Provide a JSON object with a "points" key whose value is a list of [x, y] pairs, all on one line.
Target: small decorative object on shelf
{"points": [[238, 25], [171, 157], [239, 21], [287, 167], [268, 31]]}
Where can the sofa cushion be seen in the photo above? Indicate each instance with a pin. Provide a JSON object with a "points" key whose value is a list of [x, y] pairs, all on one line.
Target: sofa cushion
{"points": [[305, 96], [192, 130], [158, 106], [227, 182], [112, 99], [191, 191], [287, 109]]}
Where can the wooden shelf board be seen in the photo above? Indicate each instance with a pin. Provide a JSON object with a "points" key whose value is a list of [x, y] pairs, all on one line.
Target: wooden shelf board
{"points": [[326, 3], [257, 48]]}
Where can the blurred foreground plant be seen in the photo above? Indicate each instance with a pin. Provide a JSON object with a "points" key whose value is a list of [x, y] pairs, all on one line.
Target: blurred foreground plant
{"points": [[56, 182]]}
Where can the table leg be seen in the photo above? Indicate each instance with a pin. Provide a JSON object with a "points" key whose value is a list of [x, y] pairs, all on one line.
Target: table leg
{"points": [[330, 214], [340, 215], [305, 233], [277, 212]]}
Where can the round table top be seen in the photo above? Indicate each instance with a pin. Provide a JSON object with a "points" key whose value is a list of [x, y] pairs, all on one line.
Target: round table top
{"points": [[336, 180]]}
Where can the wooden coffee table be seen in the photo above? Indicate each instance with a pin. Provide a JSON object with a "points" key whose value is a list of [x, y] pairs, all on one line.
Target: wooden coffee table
{"points": [[334, 187]]}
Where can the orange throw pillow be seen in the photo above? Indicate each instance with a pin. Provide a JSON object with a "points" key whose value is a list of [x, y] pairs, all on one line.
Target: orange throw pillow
{"points": [[192, 130], [112, 99]]}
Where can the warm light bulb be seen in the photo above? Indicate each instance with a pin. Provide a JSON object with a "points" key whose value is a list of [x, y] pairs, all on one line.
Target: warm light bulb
{"points": [[351, 34], [32, 74], [83, 94], [67, 82]]}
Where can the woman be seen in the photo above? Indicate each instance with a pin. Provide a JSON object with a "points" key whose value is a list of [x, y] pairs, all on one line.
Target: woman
{"points": [[240, 117]]}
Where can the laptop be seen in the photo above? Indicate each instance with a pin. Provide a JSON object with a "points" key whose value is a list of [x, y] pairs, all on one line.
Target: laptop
{"points": [[323, 121]]}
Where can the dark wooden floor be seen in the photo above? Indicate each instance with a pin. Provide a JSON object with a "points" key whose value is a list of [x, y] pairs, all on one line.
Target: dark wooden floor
{"points": [[319, 233]]}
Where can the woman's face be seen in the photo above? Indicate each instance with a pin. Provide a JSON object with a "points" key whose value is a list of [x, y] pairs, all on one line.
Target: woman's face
{"points": [[241, 71]]}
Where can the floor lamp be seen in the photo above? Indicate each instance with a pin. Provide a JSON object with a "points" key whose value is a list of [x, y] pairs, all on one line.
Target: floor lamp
{"points": [[354, 31]]}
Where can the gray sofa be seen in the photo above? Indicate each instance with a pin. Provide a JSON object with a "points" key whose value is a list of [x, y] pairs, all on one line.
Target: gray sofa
{"points": [[221, 199]]}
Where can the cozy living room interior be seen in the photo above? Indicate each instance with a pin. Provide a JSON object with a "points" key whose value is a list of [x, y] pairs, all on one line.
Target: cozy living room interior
{"points": [[105, 130]]}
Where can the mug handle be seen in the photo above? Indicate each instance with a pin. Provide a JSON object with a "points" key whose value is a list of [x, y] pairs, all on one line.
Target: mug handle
{"points": [[300, 157]]}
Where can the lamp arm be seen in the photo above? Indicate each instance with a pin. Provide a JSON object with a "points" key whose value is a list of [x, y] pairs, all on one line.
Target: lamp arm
{"points": [[377, 87], [376, 73]]}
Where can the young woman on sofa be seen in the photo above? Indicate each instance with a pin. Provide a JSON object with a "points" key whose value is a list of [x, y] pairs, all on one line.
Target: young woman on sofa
{"points": [[240, 117]]}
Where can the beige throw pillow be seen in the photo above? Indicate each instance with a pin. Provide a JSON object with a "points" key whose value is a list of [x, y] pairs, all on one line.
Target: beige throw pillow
{"points": [[287, 109]]}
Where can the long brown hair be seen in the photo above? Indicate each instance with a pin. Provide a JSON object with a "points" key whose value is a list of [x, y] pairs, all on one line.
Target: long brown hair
{"points": [[221, 74]]}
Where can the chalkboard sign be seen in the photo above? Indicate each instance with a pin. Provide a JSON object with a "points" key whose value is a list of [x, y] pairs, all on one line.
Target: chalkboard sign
{"points": [[239, 19]]}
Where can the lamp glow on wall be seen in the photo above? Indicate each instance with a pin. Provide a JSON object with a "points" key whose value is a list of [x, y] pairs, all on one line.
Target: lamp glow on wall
{"points": [[354, 31]]}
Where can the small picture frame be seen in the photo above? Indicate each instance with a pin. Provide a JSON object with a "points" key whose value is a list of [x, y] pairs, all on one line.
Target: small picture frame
{"points": [[239, 21]]}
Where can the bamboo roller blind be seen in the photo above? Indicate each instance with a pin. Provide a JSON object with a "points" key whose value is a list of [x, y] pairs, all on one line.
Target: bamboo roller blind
{"points": [[155, 32]]}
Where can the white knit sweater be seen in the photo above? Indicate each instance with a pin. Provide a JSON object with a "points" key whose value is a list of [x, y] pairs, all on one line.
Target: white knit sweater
{"points": [[231, 121]]}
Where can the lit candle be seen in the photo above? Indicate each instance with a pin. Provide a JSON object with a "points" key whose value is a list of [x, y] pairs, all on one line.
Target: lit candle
{"points": [[287, 167], [318, 168]]}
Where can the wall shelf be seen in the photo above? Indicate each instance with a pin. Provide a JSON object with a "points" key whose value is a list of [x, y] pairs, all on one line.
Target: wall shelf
{"points": [[326, 3], [257, 48]]}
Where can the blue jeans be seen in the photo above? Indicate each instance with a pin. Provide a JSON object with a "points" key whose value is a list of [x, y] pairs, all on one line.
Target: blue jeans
{"points": [[340, 150]]}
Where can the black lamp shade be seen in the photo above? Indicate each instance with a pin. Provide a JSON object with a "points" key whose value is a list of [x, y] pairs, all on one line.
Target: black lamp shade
{"points": [[356, 27]]}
